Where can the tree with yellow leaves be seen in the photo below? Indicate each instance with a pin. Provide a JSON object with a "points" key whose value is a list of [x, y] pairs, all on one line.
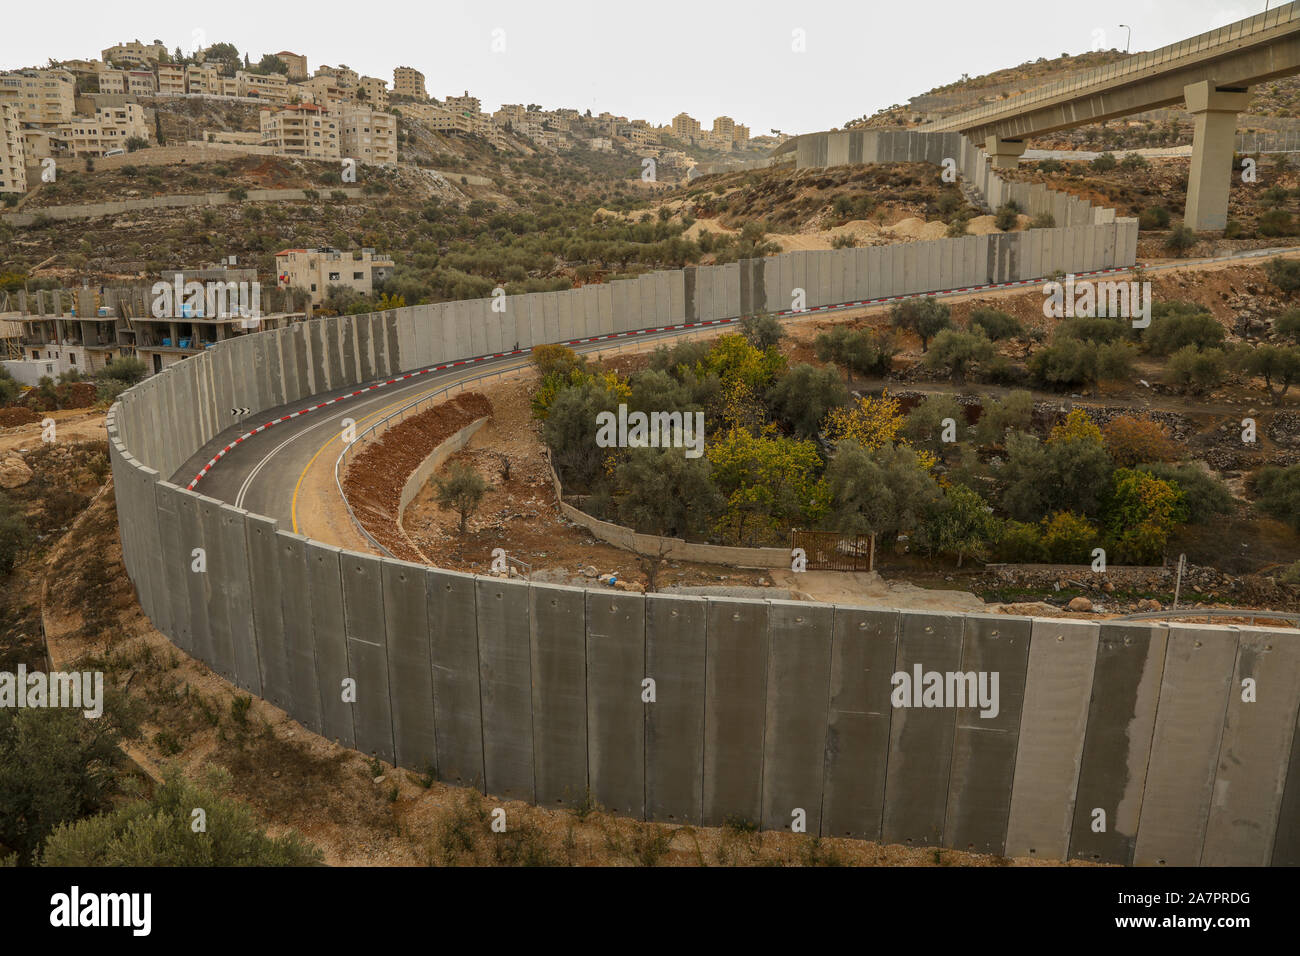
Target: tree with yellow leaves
{"points": [[1077, 425], [871, 422]]}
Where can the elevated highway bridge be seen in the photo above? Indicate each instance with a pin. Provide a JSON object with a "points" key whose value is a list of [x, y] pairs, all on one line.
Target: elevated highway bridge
{"points": [[1210, 75]]}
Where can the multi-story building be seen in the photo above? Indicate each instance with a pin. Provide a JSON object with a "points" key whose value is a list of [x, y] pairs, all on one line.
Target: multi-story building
{"points": [[13, 165], [512, 113], [40, 97], [346, 77], [171, 80], [203, 79], [368, 135], [305, 130], [135, 52], [724, 126], [372, 91], [323, 90], [464, 104], [112, 81], [296, 62], [141, 82], [740, 136], [108, 129], [436, 117], [685, 128], [408, 81], [272, 87], [315, 270]]}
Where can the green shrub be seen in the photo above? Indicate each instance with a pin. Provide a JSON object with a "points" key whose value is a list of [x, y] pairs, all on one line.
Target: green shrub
{"points": [[1204, 496], [1278, 493], [1069, 538], [1153, 218], [1284, 273], [161, 832], [996, 324], [1181, 239], [1276, 222], [1105, 163], [1196, 370], [1175, 325]]}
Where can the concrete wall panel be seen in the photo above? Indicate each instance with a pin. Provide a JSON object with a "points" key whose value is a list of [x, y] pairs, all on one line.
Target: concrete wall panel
{"points": [[557, 619], [986, 738], [219, 571], [734, 711], [364, 624], [674, 736], [1185, 747], [1116, 750], [1058, 687], [299, 642], [920, 738], [175, 562], [551, 315], [363, 331], [730, 277], [197, 584], [616, 716], [1251, 771], [794, 740], [454, 664], [267, 588], [330, 640], [505, 685], [410, 668], [863, 653]]}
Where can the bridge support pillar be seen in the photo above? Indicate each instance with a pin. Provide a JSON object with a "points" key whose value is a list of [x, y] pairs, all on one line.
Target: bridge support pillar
{"points": [[1005, 153], [1215, 114]]}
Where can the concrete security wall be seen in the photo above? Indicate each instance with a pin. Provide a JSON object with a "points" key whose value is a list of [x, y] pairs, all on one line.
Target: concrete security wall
{"points": [[769, 710]]}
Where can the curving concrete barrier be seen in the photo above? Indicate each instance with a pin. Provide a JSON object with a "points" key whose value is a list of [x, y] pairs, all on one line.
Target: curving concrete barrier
{"points": [[1125, 743]]}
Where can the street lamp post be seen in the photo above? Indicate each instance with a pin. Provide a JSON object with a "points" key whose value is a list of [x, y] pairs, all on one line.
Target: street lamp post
{"points": [[1129, 41]]}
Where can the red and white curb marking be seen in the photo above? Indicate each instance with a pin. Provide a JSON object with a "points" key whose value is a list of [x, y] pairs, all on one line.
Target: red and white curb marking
{"points": [[613, 335]]}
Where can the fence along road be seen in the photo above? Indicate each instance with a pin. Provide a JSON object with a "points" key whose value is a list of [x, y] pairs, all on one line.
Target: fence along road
{"points": [[774, 711]]}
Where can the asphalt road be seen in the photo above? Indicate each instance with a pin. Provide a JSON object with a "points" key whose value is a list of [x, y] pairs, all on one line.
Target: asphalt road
{"points": [[261, 474]]}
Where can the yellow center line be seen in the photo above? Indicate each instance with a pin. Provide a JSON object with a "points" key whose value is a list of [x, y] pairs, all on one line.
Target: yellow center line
{"points": [[293, 506], [442, 384]]}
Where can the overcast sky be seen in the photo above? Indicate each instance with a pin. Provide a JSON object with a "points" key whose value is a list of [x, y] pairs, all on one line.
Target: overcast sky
{"points": [[647, 60]]}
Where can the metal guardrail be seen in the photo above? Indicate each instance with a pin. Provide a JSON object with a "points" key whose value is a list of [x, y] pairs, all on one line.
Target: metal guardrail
{"points": [[1102, 76]]}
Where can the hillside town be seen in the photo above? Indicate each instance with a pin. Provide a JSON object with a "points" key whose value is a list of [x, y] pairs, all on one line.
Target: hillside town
{"points": [[106, 106]]}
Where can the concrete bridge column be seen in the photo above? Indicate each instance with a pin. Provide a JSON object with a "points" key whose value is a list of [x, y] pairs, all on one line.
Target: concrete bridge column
{"points": [[1215, 111], [1005, 153]]}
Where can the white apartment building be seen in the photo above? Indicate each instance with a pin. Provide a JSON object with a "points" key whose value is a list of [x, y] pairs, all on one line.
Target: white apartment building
{"points": [[171, 80], [305, 130], [315, 270], [368, 135], [464, 104], [13, 167], [408, 81], [39, 97], [135, 52], [108, 129], [272, 87], [375, 92]]}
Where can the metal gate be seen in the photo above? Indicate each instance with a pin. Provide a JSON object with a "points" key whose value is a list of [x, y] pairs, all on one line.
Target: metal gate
{"points": [[832, 551]]}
